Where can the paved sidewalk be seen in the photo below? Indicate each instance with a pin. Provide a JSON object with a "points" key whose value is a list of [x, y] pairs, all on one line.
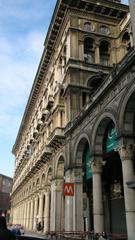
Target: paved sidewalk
{"points": [[33, 234]]}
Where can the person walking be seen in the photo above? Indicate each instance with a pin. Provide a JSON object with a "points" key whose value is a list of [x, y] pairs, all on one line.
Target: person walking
{"points": [[5, 234]]}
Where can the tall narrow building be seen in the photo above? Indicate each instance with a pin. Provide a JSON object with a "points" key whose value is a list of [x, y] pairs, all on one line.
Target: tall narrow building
{"points": [[74, 152]]}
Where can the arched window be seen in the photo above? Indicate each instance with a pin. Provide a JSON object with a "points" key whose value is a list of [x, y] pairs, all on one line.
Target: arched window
{"points": [[126, 40], [89, 50], [104, 52], [95, 82], [88, 26]]}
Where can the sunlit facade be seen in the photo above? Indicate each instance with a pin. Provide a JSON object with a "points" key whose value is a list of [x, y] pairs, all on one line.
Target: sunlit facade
{"points": [[79, 125]]}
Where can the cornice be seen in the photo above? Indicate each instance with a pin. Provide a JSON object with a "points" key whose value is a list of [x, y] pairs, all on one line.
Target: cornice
{"points": [[103, 7]]}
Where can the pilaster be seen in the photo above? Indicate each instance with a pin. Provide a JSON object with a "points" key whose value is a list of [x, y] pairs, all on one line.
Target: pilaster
{"points": [[74, 204], [56, 205], [47, 211], [98, 213], [126, 155]]}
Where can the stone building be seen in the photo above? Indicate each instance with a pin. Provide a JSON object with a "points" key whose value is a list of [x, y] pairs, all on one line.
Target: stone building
{"points": [[79, 125], [5, 190]]}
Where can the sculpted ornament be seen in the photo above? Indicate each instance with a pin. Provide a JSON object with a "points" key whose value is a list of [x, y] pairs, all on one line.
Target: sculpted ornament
{"points": [[126, 152], [97, 166]]}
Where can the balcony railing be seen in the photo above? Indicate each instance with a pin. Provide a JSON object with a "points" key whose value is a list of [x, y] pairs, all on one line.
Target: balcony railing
{"points": [[56, 138]]}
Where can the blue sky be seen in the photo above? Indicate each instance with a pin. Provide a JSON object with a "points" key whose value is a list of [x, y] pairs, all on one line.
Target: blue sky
{"points": [[23, 26]]}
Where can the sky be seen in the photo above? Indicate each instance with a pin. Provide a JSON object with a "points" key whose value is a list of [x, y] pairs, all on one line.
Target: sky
{"points": [[23, 27]]}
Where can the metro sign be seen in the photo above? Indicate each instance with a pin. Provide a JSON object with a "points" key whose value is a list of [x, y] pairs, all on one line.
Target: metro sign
{"points": [[68, 189]]}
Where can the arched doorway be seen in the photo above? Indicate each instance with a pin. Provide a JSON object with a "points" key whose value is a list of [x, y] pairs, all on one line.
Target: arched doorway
{"points": [[83, 159], [112, 178]]}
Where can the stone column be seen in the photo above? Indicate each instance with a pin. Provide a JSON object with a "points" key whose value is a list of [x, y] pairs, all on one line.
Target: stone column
{"points": [[131, 38], [35, 213], [126, 155], [98, 212], [74, 204], [11, 214], [24, 208], [47, 212], [40, 213], [97, 54], [21, 214], [25, 211], [31, 215], [56, 203], [59, 118], [28, 216], [24, 214], [132, 11]]}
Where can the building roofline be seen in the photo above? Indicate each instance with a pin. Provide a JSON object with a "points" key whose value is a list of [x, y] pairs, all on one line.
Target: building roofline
{"points": [[2, 175], [53, 30]]}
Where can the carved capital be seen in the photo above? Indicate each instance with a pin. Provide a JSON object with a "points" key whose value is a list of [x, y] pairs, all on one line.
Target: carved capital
{"points": [[57, 184], [97, 166], [77, 175], [126, 152]]}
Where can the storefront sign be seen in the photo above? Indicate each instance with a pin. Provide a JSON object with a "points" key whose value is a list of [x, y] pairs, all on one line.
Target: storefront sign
{"points": [[68, 189], [88, 158], [111, 142]]}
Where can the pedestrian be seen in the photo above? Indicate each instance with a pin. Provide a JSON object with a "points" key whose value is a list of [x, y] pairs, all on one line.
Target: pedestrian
{"points": [[5, 234], [103, 236]]}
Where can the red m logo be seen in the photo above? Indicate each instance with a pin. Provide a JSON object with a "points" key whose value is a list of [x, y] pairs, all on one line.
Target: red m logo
{"points": [[68, 189]]}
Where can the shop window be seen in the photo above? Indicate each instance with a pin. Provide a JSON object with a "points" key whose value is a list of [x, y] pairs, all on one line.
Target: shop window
{"points": [[104, 53], [89, 50]]}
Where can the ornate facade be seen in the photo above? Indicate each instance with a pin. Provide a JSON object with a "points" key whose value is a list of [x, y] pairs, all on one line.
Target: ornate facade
{"points": [[79, 124]]}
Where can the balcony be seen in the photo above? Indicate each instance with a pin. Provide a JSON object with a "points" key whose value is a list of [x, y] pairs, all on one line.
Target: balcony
{"points": [[50, 102], [35, 133], [39, 161], [45, 112], [46, 153], [39, 124], [56, 139]]}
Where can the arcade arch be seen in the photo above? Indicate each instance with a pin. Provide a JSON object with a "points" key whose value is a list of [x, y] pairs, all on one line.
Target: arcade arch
{"points": [[83, 157], [127, 124], [108, 159]]}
